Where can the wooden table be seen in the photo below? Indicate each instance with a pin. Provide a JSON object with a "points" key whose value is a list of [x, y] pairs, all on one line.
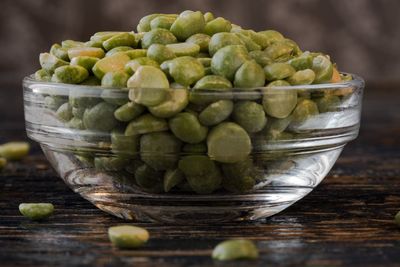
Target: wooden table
{"points": [[346, 221]]}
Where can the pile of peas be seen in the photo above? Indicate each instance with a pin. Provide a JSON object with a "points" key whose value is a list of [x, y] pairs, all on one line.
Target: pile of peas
{"points": [[181, 125]]}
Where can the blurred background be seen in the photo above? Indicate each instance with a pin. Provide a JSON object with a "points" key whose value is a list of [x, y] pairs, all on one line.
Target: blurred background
{"points": [[362, 36]]}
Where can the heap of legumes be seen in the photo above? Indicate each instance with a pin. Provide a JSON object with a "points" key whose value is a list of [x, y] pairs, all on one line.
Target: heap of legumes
{"points": [[179, 126]]}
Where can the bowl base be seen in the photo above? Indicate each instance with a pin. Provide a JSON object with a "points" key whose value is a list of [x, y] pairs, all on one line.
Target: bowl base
{"points": [[249, 207], [117, 194]]}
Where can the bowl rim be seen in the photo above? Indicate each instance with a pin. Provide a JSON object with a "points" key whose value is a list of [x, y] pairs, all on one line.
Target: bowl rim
{"points": [[356, 82]]}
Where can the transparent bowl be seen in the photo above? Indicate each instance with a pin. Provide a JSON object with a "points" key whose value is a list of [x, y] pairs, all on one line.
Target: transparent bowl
{"points": [[289, 158]]}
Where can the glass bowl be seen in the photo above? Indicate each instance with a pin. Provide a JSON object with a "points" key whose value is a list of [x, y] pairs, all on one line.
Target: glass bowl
{"points": [[289, 157]]}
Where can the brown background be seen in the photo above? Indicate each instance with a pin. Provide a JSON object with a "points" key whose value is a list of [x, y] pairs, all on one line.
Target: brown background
{"points": [[362, 36]]}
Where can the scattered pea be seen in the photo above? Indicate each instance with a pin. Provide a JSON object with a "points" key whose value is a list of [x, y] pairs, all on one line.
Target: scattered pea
{"points": [[36, 211], [127, 236], [235, 249], [14, 150]]}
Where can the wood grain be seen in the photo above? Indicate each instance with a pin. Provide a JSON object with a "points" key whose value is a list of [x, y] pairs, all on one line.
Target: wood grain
{"points": [[346, 221]]}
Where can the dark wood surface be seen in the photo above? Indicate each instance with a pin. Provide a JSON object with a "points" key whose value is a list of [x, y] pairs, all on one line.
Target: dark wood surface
{"points": [[346, 221]]}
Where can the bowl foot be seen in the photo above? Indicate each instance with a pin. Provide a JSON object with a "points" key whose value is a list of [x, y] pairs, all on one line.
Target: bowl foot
{"points": [[282, 184], [224, 208]]}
